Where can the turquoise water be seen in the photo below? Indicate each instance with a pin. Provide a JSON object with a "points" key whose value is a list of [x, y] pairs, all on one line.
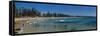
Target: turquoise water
{"points": [[60, 24], [62, 21]]}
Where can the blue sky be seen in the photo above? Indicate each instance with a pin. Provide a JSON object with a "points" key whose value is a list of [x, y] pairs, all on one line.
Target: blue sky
{"points": [[64, 9]]}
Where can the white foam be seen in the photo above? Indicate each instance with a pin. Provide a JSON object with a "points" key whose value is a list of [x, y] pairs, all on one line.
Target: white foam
{"points": [[61, 20]]}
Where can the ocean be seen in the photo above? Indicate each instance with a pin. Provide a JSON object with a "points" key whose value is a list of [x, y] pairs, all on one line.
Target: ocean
{"points": [[53, 24]]}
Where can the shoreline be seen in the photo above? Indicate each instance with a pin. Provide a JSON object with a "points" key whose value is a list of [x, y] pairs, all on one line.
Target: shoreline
{"points": [[29, 18], [23, 20], [20, 22]]}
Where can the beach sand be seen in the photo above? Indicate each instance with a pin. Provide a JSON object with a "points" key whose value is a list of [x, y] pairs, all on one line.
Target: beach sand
{"points": [[30, 28]]}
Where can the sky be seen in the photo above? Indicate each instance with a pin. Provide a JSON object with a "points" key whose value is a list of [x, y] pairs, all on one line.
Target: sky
{"points": [[63, 9]]}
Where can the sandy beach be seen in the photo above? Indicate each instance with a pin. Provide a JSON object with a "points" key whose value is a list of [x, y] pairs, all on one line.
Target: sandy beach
{"points": [[46, 24]]}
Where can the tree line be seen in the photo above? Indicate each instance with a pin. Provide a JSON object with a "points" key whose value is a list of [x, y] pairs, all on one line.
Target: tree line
{"points": [[32, 12]]}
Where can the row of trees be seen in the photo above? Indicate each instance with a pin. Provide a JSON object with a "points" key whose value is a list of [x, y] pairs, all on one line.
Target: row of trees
{"points": [[32, 12]]}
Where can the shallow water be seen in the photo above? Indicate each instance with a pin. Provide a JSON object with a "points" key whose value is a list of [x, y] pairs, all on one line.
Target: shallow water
{"points": [[59, 24]]}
